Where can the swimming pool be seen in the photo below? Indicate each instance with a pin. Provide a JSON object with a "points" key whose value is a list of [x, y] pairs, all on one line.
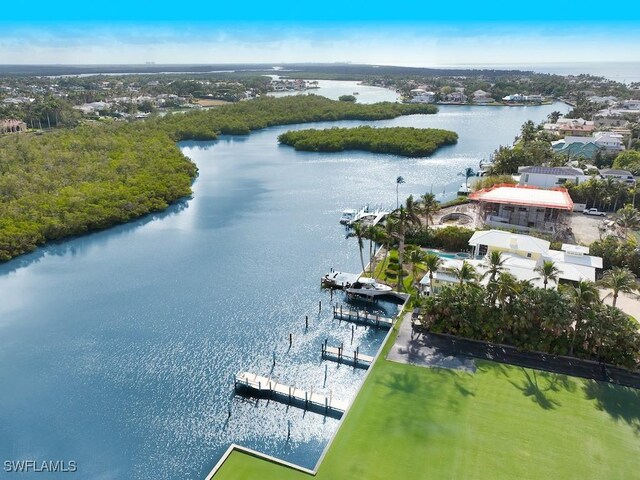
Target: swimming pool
{"points": [[459, 255]]}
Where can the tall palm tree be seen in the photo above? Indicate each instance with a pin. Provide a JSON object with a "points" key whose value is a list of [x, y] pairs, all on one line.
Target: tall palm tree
{"points": [[465, 273], [628, 218], [375, 234], [402, 219], [495, 265], [581, 296], [432, 263], [388, 236], [468, 172], [399, 180], [619, 280], [428, 206], [416, 256], [548, 271], [358, 232]]}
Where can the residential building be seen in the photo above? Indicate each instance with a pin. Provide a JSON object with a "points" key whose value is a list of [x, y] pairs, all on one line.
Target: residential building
{"points": [[480, 96], [620, 175], [12, 126], [522, 254], [631, 104], [524, 208], [419, 95], [610, 141], [549, 177]]}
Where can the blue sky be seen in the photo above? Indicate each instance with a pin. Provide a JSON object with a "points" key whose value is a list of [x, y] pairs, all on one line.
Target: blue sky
{"points": [[415, 34]]}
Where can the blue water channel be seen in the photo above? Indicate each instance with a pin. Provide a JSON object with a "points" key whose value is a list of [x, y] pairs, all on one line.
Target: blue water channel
{"points": [[118, 349]]}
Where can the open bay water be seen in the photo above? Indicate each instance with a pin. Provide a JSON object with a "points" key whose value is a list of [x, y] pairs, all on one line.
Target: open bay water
{"points": [[118, 348]]}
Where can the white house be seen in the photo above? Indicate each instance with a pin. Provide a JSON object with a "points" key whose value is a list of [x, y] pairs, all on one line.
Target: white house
{"points": [[620, 175], [522, 254], [550, 177], [631, 104], [610, 141], [419, 95]]}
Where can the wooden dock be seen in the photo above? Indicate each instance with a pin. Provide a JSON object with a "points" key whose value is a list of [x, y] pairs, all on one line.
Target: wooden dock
{"points": [[266, 387], [362, 317], [338, 354]]}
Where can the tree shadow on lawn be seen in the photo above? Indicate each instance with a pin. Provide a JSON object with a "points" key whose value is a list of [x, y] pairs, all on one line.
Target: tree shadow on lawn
{"points": [[410, 381], [621, 403], [536, 384]]}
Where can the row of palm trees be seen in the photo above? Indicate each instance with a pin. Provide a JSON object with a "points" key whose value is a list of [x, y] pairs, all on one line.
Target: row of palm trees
{"points": [[618, 280], [515, 312], [413, 214]]}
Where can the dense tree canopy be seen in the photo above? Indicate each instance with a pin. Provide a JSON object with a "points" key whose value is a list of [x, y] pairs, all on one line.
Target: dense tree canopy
{"points": [[530, 318], [71, 181], [407, 141]]}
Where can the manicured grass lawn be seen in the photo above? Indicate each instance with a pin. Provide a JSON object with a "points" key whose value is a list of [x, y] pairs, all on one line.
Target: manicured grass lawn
{"points": [[502, 422]]}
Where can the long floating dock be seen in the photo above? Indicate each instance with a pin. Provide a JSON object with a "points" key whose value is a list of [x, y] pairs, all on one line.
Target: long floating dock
{"points": [[338, 354], [266, 387], [363, 317]]}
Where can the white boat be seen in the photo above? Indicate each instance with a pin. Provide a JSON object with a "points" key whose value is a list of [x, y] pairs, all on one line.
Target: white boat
{"points": [[464, 189], [368, 287], [348, 216]]}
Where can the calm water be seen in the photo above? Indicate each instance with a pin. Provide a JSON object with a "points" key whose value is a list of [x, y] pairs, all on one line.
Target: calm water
{"points": [[117, 349]]}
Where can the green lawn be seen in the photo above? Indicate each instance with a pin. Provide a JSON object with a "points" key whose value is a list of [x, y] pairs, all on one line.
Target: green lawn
{"points": [[502, 422]]}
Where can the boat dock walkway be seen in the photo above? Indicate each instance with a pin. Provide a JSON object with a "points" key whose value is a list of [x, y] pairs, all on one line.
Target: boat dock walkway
{"points": [[363, 317], [373, 218], [263, 386], [338, 354]]}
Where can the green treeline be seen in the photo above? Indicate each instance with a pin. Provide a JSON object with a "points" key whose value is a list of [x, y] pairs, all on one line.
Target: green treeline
{"points": [[535, 319], [72, 181], [406, 141]]}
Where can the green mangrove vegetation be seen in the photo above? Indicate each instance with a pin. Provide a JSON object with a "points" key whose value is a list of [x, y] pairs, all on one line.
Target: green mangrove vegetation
{"points": [[406, 141], [72, 181]]}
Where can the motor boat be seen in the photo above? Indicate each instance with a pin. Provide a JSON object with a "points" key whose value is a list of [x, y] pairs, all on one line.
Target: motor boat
{"points": [[368, 287], [348, 217]]}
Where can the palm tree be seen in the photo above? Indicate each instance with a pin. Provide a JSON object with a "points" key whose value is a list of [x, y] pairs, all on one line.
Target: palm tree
{"points": [[465, 273], [428, 206], [432, 263], [495, 265], [358, 232], [548, 271], [468, 172], [528, 132], [375, 234], [416, 256], [399, 180], [628, 218], [402, 220], [582, 295], [619, 280], [506, 288]]}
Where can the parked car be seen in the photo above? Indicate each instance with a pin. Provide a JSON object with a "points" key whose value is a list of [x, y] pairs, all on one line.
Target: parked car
{"points": [[594, 211]]}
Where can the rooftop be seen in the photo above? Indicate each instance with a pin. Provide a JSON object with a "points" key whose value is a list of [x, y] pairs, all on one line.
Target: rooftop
{"points": [[525, 195], [551, 170], [509, 241]]}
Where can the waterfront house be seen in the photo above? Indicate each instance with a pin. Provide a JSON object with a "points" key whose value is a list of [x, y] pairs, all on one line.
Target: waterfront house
{"points": [[522, 254], [419, 95], [524, 208], [549, 177]]}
